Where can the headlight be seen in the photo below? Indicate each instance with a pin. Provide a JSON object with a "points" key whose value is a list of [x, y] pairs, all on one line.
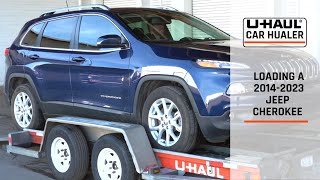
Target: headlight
{"points": [[236, 89], [221, 64]]}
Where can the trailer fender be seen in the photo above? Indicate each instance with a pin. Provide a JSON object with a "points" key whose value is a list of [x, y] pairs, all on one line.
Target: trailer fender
{"points": [[134, 136]]}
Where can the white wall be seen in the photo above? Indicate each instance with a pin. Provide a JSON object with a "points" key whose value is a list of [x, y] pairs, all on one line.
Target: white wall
{"points": [[228, 15], [15, 13], [181, 5], [122, 3], [84, 2], [310, 10]]}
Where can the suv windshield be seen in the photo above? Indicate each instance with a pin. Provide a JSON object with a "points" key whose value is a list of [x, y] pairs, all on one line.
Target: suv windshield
{"points": [[169, 26]]}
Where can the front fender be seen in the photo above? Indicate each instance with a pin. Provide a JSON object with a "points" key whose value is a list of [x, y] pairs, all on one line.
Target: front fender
{"points": [[158, 77]]}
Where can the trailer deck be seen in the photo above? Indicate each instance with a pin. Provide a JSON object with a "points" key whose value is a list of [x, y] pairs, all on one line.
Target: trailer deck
{"points": [[208, 161]]}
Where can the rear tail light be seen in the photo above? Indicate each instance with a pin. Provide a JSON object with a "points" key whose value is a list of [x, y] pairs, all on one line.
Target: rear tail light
{"points": [[6, 52]]}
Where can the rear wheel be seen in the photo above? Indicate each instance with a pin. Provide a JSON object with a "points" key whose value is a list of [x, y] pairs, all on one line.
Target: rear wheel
{"points": [[25, 108], [169, 120], [67, 153], [111, 160]]}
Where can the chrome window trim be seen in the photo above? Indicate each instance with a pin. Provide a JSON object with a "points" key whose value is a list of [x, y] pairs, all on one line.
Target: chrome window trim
{"points": [[76, 50], [29, 29]]}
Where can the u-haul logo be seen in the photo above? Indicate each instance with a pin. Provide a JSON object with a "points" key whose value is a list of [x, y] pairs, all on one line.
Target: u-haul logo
{"points": [[275, 32], [198, 169]]}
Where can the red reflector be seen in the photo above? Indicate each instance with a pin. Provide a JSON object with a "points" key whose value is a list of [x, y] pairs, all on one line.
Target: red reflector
{"points": [[6, 52]]}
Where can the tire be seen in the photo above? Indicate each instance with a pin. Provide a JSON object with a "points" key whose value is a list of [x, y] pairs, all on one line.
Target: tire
{"points": [[185, 129], [108, 147], [26, 112], [67, 142]]}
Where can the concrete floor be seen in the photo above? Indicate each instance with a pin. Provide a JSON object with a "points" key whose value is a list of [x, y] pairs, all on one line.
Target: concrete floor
{"points": [[5, 124], [15, 167], [4, 109]]}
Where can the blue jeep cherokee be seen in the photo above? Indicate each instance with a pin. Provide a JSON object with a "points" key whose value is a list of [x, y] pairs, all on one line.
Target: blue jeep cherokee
{"points": [[166, 70]]}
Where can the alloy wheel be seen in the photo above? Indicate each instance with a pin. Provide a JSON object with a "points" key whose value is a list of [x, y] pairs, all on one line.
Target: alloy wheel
{"points": [[165, 122], [23, 109]]}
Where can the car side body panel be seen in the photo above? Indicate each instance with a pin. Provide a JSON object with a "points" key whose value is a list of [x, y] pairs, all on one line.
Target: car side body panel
{"points": [[107, 85], [51, 74]]}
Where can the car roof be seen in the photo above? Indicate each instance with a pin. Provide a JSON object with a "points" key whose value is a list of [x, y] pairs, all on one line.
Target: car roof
{"points": [[71, 13], [111, 10]]}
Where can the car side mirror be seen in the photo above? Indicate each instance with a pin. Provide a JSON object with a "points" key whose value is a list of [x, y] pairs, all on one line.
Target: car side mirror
{"points": [[111, 41]]}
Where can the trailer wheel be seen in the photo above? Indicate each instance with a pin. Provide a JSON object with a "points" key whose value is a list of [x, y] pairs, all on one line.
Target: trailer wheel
{"points": [[111, 160], [67, 153]]}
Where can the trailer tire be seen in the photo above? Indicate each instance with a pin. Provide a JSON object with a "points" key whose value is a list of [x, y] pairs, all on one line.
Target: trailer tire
{"points": [[67, 153], [112, 147]]}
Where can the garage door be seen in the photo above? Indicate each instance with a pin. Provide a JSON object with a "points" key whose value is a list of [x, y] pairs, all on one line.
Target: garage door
{"points": [[228, 14], [121, 3], [157, 3], [14, 14]]}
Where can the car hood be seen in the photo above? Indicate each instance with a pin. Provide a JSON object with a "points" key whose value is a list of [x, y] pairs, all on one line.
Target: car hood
{"points": [[224, 50], [269, 59]]}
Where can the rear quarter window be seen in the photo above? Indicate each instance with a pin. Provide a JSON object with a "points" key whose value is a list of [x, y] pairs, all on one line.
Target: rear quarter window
{"points": [[30, 38]]}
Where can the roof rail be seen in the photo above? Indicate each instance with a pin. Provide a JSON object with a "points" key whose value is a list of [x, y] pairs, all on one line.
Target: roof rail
{"points": [[75, 8]]}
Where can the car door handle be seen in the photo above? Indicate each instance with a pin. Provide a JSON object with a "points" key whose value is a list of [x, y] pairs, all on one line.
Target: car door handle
{"points": [[34, 57], [78, 59]]}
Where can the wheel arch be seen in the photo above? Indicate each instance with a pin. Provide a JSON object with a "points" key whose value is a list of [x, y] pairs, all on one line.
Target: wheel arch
{"points": [[138, 97], [16, 79]]}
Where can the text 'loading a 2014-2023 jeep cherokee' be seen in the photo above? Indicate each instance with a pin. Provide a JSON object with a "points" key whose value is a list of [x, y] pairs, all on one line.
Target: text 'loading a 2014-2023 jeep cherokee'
{"points": [[164, 69]]}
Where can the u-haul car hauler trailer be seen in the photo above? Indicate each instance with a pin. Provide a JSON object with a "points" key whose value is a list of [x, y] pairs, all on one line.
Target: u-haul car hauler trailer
{"points": [[64, 140]]}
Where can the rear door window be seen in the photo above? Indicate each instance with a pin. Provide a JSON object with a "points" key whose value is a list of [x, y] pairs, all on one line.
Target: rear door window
{"points": [[93, 27], [31, 37], [58, 33]]}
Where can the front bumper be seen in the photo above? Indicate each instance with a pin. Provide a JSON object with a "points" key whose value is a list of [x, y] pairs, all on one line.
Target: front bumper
{"points": [[215, 128]]}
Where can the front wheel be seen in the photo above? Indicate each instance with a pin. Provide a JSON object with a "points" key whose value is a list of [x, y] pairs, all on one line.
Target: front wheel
{"points": [[169, 120]]}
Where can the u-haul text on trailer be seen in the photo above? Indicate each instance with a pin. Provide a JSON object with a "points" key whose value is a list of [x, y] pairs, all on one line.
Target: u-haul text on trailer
{"points": [[275, 32], [198, 169]]}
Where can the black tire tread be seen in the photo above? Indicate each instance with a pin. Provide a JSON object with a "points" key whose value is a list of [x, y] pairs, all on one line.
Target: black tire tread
{"points": [[84, 151], [79, 143], [189, 141], [192, 141], [117, 144], [38, 120]]}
